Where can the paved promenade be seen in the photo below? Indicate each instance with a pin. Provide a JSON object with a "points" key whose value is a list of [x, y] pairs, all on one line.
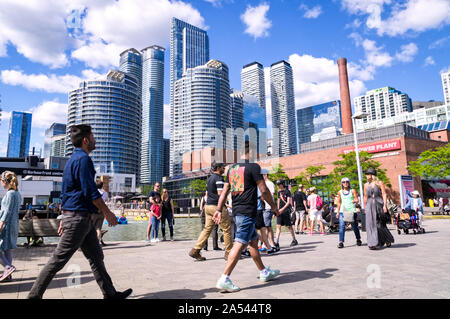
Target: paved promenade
{"points": [[416, 266]]}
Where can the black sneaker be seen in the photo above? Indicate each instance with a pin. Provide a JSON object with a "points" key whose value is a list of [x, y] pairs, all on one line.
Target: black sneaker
{"points": [[277, 246], [341, 245], [358, 242], [271, 251], [297, 233], [294, 242], [120, 294]]}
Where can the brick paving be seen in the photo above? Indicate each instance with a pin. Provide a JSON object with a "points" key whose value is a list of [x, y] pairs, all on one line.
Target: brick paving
{"points": [[414, 267]]}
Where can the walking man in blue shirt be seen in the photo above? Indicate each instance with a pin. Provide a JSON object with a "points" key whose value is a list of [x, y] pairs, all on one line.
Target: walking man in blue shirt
{"points": [[80, 198]]}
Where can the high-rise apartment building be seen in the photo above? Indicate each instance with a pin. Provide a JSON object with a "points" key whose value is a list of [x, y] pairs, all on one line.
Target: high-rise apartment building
{"points": [[56, 129], [131, 63], [111, 106], [319, 121], [252, 82], [58, 146], [19, 134], [445, 76], [189, 48], [202, 111], [284, 135], [152, 148], [237, 118], [381, 104]]}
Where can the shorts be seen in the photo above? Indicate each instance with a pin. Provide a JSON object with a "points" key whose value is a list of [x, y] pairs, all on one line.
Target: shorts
{"points": [[300, 214], [259, 219], [267, 216], [315, 214], [246, 231], [284, 219]]}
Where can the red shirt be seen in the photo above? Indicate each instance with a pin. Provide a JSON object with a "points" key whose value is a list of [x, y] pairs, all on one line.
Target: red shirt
{"points": [[156, 209]]}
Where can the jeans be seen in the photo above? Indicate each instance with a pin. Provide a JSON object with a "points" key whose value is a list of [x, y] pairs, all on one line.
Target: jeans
{"points": [[163, 224], [6, 258], [246, 231], [78, 232], [342, 227], [155, 227]]}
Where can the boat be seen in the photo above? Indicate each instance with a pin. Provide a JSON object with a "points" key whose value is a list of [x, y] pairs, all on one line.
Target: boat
{"points": [[141, 218]]}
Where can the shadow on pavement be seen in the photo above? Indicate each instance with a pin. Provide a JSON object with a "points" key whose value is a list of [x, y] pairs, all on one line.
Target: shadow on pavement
{"points": [[289, 277], [60, 280], [406, 245]]}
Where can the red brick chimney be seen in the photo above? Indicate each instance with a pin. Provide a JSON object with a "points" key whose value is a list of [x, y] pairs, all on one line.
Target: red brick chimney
{"points": [[346, 107]]}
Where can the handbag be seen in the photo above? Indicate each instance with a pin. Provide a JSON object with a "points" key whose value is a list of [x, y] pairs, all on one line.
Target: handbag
{"points": [[348, 216]]}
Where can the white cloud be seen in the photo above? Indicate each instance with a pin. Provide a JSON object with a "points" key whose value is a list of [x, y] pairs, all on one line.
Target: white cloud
{"points": [[407, 53], [429, 61], [256, 20], [37, 29], [48, 113], [311, 13], [5, 116], [48, 32], [375, 55], [440, 43], [411, 15], [49, 83]]}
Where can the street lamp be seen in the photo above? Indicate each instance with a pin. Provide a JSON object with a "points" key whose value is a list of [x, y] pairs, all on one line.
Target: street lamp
{"points": [[358, 116]]}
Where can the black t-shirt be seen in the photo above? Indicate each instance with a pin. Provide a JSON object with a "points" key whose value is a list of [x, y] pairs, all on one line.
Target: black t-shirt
{"points": [[299, 197], [213, 184], [284, 198], [242, 178], [154, 194]]}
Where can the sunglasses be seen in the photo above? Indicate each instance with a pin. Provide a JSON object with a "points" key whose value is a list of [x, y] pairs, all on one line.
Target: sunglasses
{"points": [[345, 182]]}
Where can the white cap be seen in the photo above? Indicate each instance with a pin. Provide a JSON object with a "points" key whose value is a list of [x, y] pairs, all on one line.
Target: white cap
{"points": [[416, 193]]}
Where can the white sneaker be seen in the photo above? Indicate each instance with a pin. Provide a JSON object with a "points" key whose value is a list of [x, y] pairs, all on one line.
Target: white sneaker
{"points": [[269, 275], [157, 240], [153, 240], [227, 285]]}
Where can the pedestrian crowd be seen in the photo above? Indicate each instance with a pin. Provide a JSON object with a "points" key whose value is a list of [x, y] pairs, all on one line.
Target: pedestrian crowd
{"points": [[242, 204]]}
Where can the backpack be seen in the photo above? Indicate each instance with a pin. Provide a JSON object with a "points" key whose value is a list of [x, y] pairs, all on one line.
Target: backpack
{"points": [[319, 203]]}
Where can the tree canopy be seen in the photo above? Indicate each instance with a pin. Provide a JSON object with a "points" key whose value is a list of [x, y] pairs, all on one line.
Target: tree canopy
{"points": [[432, 163]]}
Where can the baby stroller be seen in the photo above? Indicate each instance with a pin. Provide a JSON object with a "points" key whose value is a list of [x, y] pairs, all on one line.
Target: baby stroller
{"points": [[407, 220]]}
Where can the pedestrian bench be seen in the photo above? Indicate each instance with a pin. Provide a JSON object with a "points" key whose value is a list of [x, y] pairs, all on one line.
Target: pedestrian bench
{"points": [[39, 228]]}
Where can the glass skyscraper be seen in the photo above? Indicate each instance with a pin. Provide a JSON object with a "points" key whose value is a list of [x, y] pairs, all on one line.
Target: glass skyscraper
{"points": [[111, 106], [152, 147], [189, 48], [283, 109], [318, 119], [248, 115], [19, 134], [202, 111], [131, 63], [56, 129], [252, 81]]}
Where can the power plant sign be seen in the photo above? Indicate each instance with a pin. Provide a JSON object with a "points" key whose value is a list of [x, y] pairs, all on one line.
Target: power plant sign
{"points": [[377, 147]]}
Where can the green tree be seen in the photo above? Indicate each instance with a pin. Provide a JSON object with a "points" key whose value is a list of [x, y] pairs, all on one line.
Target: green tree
{"points": [[278, 173], [197, 188], [433, 163], [306, 178], [346, 167]]}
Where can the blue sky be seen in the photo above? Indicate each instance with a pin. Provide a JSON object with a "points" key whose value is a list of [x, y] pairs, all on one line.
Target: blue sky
{"points": [[48, 47]]}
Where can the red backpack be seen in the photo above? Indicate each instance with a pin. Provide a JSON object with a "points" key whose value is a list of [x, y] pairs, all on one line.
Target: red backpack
{"points": [[319, 203]]}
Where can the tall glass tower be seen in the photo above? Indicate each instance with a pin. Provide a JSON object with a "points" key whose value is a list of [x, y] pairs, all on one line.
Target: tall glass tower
{"points": [[284, 134], [202, 109], [189, 48], [19, 134], [111, 106], [152, 146], [252, 81], [131, 63], [54, 130]]}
